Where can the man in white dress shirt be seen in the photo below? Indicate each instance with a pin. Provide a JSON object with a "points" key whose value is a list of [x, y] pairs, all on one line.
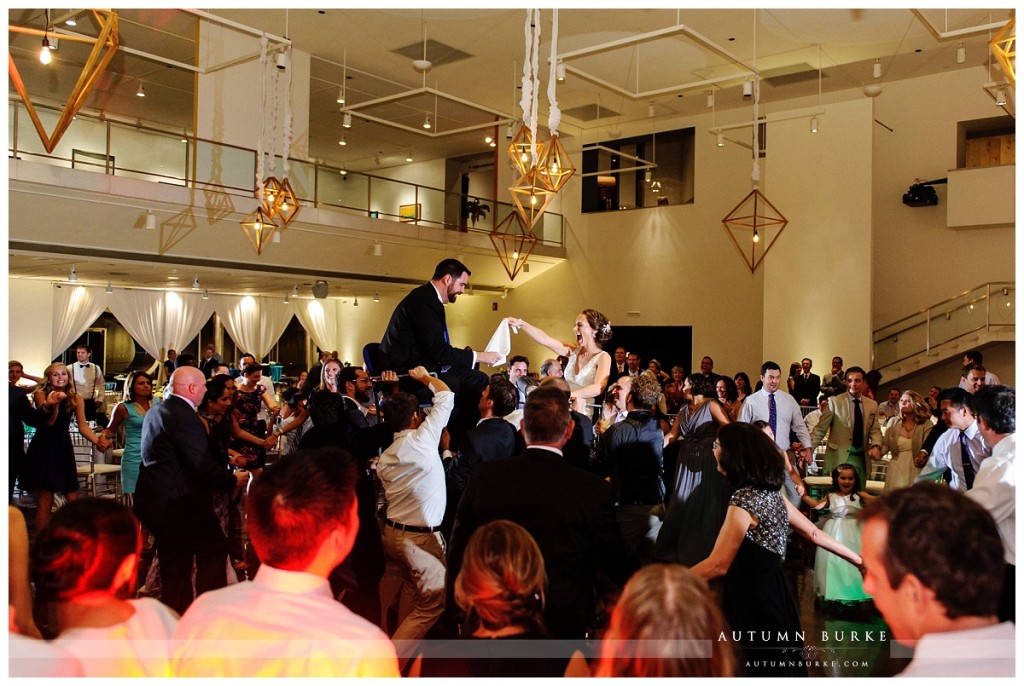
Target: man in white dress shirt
{"points": [[782, 413], [412, 474], [933, 565], [302, 519], [89, 384], [974, 357], [995, 486], [962, 436]]}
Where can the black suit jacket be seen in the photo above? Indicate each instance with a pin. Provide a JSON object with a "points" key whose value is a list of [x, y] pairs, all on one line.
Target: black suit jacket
{"points": [[568, 511], [415, 335], [177, 468], [807, 390], [492, 439]]}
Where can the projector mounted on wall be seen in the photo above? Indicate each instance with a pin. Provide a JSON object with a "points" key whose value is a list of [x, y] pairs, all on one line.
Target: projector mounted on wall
{"points": [[922, 194]]}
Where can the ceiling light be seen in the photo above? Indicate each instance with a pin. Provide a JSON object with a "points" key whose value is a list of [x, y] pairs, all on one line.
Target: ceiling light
{"points": [[142, 91], [73, 276], [488, 139], [650, 110], [44, 54], [408, 156], [560, 72], [281, 61], [961, 54], [493, 143], [295, 291], [343, 141], [376, 297], [748, 89], [343, 171], [150, 220], [876, 69], [109, 289], [720, 140], [1000, 98], [341, 96], [206, 295], [287, 299], [346, 120], [710, 102], [426, 122], [70, 21], [814, 125], [378, 249], [195, 282], [508, 132]]}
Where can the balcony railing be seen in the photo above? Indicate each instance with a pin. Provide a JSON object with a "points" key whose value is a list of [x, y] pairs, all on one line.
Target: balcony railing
{"points": [[134, 151], [988, 306]]}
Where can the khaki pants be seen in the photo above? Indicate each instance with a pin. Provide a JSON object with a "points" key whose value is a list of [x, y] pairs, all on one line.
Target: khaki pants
{"points": [[419, 558]]}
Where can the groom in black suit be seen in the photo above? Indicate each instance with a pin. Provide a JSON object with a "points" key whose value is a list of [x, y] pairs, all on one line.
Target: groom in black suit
{"points": [[174, 495], [806, 386], [568, 511]]}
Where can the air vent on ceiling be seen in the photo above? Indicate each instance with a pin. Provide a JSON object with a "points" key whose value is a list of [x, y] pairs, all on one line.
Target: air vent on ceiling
{"points": [[794, 73], [437, 53], [589, 112]]}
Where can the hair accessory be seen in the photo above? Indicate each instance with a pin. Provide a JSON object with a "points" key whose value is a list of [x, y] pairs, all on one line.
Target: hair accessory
{"points": [[607, 328]]}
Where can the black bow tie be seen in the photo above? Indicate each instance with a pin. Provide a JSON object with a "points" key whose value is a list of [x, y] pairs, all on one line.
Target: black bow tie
{"points": [[83, 366]]}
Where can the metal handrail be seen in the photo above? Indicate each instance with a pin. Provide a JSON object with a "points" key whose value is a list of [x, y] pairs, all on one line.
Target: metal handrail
{"points": [[990, 285]]}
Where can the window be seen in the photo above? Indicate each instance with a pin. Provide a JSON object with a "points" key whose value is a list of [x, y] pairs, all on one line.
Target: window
{"points": [[612, 181], [986, 142]]}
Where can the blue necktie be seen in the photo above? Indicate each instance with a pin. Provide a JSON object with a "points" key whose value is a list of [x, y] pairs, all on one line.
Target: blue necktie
{"points": [[965, 460], [446, 367], [773, 414]]}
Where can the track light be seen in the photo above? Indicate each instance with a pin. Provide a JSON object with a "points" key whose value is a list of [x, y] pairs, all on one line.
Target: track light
{"points": [[650, 110], [488, 139], [748, 89], [141, 92], [426, 122], [341, 96], [343, 141], [961, 54], [295, 291], [195, 282], [109, 289], [281, 61], [508, 132], [876, 69], [206, 295], [720, 140], [376, 297], [378, 249], [343, 171], [346, 120], [44, 53], [287, 299], [150, 220], [493, 143], [70, 21], [73, 276], [1000, 98], [560, 72], [814, 125], [710, 100], [408, 156], [355, 302]]}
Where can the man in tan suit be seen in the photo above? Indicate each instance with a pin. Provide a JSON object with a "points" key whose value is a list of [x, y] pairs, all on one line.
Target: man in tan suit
{"points": [[850, 435]]}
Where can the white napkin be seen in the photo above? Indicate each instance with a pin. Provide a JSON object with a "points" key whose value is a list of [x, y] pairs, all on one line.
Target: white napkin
{"points": [[501, 343]]}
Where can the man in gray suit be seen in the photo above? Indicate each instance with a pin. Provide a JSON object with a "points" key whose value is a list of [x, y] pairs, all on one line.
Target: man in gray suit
{"points": [[852, 419]]}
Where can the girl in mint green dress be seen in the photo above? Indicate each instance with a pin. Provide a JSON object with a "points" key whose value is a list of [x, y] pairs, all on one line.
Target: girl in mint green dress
{"points": [[129, 413]]}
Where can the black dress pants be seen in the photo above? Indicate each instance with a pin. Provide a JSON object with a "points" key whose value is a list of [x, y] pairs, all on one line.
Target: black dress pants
{"points": [[188, 534]]}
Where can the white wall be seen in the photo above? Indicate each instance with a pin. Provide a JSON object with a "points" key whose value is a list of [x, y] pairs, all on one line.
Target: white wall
{"points": [[30, 323]]}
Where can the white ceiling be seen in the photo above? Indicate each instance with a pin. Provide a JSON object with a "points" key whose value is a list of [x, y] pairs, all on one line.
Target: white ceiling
{"points": [[786, 45]]}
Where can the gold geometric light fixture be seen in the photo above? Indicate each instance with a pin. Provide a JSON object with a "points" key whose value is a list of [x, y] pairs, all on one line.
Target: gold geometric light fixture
{"points": [[278, 201], [554, 166], [259, 229], [531, 196], [520, 150], [107, 40], [756, 224], [1004, 48], [513, 241]]}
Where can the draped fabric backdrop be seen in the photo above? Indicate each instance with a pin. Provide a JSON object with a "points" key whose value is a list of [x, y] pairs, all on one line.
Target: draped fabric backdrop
{"points": [[159, 320], [254, 323], [75, 308], [320, 320]]}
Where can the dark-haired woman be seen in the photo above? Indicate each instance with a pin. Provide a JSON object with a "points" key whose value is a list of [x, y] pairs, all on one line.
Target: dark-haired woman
{"points": [[757, 600], [250, 433], [698, 493], [130, 413], [85, 563], [588, 365]]}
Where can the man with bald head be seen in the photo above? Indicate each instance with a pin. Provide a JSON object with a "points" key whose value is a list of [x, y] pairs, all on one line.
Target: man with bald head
{"points": [[174, 495]]}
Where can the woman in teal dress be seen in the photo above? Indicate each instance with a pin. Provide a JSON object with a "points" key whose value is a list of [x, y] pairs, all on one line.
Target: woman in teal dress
{"points": [[129, 413]]}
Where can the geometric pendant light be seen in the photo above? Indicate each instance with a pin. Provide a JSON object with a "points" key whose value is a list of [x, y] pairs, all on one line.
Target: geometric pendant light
{"points": [[513, 241], [757, 224], [259, 229]]}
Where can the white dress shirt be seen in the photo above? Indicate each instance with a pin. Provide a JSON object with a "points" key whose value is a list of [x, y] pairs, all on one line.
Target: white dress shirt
{"points": [[787, 415], [995, 489], [984, 652], [282, 623], [411, 470], [946, 454], [990, 380], [89, 381]]}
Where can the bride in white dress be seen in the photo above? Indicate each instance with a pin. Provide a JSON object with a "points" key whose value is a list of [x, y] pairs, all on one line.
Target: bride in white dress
{"points": [[589, 365]]}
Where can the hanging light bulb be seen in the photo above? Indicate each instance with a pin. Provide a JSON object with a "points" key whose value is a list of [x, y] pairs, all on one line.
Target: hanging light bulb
{"points": [[346, 120], [876, 69], [44, 54], [757, 238], [341, 96], [515, 254], [426, 122], [961, 54], [720, 139], [814, 125]]}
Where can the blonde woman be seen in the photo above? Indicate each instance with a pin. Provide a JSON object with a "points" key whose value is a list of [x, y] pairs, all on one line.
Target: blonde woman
{"points": [[589, 365], [667, 623], [50, 460], [903, 437]]}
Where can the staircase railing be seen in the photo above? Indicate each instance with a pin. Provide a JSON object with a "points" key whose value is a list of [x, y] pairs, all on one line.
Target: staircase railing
{"points": [[986, 307]]}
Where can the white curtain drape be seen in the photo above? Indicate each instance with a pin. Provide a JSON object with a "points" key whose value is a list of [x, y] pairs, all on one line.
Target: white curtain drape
{"points": [[74, 309], [159, 320], [254, 323], [320, 320]]}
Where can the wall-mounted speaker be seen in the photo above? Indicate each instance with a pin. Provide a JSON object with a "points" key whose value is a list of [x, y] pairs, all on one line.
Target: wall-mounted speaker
{"points": [[320, 289]]}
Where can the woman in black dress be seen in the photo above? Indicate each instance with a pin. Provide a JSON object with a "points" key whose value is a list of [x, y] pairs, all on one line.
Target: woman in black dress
{"points": [[326, 408], [759, 605]]}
